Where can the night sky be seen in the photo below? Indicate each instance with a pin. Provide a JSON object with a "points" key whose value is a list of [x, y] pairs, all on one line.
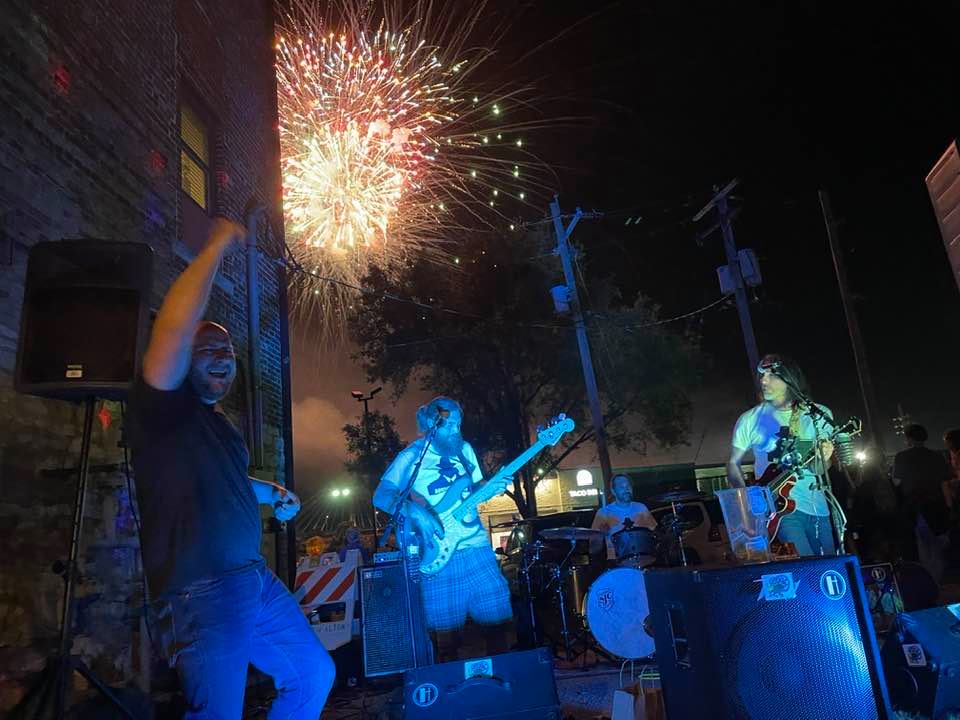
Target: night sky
{"points": [[673, 98]]}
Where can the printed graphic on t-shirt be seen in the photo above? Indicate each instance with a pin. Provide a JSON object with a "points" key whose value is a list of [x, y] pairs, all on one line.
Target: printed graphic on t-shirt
{"points": [[448, 474]]}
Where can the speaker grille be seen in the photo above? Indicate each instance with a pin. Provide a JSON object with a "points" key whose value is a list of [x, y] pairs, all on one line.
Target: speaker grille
{"points": [[809, 655], [387, 646]]}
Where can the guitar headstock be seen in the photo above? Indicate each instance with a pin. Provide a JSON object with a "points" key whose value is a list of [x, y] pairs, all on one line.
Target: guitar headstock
{"points": [[852, 427], [555, 429]]}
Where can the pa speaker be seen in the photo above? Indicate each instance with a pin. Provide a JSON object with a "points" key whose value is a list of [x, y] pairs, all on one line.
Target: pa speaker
{"points": [[84, 319], [387, 630], [513, 686], [788, 640], [922, 662]]}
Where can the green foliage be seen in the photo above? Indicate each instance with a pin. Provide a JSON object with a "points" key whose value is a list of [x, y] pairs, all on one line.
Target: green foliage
{"points": [[372, 448]]}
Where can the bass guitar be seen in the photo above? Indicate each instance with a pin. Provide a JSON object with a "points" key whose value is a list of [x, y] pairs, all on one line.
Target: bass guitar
{"points": [[781, 480], [456, 504]]}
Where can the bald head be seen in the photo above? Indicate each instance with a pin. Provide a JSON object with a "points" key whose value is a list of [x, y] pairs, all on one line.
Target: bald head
{"points": [[213, 365]]}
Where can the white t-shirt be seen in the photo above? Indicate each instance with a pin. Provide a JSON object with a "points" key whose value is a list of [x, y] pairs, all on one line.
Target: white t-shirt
{"points": [[610, 519], [436, 475], [761, 429]]}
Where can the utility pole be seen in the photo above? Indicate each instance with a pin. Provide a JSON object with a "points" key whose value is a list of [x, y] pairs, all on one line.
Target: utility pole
{"points": [[874, 433], [724, 223], [593, 396]]}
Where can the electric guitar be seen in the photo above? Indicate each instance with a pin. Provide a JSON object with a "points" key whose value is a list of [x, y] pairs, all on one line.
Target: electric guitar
{"points": [[781, 481], [456, 504]]}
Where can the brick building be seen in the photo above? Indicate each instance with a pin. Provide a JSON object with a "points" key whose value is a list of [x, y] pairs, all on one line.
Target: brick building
{"points": [[132, 120]]}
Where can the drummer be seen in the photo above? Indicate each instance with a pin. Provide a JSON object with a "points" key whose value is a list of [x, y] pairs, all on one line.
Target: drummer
{"points": [[610, 519]]}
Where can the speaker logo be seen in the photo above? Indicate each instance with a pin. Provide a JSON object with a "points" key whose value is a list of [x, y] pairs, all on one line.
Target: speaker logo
{"points": [[914, 654], [778, 586], [833, 585], [425, 695], [478, 668]]}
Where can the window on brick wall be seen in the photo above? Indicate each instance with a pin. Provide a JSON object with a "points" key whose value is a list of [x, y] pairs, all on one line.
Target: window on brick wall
{"points": [[197, 196], [194, 157]]}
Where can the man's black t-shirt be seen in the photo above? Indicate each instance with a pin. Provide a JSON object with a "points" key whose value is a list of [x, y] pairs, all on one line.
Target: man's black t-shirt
{"points": [[199, 515]]}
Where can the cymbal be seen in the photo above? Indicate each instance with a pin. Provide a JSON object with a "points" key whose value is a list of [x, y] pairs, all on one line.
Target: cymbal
{"points": [[672, 521], [570, 533], [511, 523], [677, 496]]}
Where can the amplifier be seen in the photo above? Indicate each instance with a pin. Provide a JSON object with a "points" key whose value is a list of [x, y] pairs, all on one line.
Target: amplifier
{"points": [[387, 636], [922, 661], [788, 640], [514, 686], [394, 639]]}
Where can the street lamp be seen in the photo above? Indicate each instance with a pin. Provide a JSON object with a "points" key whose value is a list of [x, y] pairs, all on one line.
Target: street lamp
{"points": [[360, 397], [365, 399]]}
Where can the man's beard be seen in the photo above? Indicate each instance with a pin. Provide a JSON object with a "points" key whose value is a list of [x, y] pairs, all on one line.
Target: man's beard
{"points": [[448, 445]]}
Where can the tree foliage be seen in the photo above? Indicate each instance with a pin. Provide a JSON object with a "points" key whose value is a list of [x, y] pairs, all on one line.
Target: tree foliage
{"points": [[372, 444], [486, 333]]}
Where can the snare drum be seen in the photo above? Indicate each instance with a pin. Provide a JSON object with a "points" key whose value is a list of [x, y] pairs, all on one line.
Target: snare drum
{"points": [[617, 613], [635, 546]]}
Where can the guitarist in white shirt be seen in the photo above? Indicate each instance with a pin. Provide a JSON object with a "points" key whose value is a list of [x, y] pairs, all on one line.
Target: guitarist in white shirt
{"points": [[764, 430], [470, 584]]}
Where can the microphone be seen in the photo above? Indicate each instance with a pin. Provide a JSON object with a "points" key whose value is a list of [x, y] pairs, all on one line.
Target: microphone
{"points": [[442, 414], [843, 447]]}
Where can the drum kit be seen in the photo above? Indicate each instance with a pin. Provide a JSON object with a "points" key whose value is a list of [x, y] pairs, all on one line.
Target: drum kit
{"points": [[578, 600]]}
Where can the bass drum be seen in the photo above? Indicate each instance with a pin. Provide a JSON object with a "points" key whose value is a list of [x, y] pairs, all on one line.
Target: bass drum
{"points": [[617, 613]]}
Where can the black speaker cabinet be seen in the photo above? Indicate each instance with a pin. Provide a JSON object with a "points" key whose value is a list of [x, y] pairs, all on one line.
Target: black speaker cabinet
{"points": [[387, 631], [922, 661], [84, 320], [785, 640], [512, 686]]}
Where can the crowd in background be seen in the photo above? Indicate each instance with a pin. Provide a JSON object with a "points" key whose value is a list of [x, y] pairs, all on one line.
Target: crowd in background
{"points": [[906, 511]]}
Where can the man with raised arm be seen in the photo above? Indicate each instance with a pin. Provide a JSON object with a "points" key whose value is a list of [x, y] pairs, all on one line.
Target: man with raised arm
{"points": [[217, 608]]}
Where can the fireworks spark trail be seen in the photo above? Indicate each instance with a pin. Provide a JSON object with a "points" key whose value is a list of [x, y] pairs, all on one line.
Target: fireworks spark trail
{"points": [[391, 146]]}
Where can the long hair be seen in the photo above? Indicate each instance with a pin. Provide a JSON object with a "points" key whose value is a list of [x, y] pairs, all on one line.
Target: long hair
{"points": [[427, 414], [790, 372]]}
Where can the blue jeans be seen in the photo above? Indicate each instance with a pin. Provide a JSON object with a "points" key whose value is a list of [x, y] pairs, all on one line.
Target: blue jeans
{"points": [[212, 629], [810, 534]]}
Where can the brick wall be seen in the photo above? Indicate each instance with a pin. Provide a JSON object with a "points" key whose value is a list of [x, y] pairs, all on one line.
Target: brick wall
{"points": [[89, 147]]}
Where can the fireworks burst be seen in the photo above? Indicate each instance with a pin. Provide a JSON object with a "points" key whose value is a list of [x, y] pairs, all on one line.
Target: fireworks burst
{"points": [[388, 147]]}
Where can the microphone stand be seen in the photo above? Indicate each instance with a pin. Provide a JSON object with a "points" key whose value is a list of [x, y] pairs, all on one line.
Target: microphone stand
{"points": [[422, 651], [838, 519]]}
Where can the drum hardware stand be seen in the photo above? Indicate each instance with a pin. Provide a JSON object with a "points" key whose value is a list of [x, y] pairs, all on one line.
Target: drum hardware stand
{"points": [[676, 527], [569, 645], [525, 573]]}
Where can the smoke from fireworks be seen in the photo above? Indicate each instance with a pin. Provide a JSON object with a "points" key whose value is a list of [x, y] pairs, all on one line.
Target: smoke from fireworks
{"points": [[388, 147]]}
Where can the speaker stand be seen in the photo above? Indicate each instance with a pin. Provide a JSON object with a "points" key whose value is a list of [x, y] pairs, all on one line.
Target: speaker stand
{"points": [[54, 686]]}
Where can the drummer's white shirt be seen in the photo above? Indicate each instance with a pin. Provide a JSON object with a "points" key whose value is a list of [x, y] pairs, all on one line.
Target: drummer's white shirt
{"points": [[610, 519]]}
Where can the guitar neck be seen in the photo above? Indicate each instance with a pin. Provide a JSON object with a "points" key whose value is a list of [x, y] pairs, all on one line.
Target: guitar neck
{"points": [[486, 491]]}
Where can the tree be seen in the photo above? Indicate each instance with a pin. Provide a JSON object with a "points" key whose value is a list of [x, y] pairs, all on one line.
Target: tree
{"points": [[371, 446], [485, 332]]}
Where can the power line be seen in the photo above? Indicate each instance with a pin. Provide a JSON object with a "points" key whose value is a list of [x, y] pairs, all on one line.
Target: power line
{"points": [[294, 265]]}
